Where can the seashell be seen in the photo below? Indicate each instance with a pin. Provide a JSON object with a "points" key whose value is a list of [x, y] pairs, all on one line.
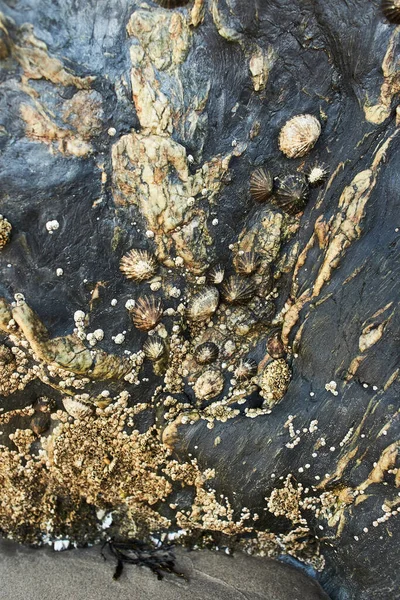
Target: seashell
{"points": [[291, 193], [299, 135], [171, 3], [209, 384], [206, 353], [154, 348], [147, 313], [317, 174], [275, 346], [5, 231], [40, 423], [391, 10], [274, 381], [237, 290], [76, 408], [261, 184], [247, 263], [138, 264], [203, 304], [216, 274], [246, 369]]}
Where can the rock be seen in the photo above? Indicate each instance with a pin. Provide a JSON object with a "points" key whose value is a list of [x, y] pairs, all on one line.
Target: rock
{"points": [[135, 126]]}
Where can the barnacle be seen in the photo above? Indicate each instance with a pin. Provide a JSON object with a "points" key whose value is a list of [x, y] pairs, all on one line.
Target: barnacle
{"points": [[5, 231], [391, 10], [261, 184], [138, 264], [238, 290], [147, 312], [154, 348], [299, 135], [203, 304], [246, 369], [246, 263], [206, 353], [291, 193]]}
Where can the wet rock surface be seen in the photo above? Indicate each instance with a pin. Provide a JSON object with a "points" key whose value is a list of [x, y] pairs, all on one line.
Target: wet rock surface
{"points": [[127, 126]]}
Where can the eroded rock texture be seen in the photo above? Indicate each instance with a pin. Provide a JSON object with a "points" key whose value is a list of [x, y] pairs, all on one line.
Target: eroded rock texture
{"points": [[234, 380]]}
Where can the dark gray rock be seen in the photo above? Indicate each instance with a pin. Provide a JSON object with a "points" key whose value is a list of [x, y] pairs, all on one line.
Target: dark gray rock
{"points": [[328, 62]]}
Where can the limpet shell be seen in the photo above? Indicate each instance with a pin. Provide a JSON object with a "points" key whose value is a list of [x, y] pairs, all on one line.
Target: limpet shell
{"points": [[299, 135]]}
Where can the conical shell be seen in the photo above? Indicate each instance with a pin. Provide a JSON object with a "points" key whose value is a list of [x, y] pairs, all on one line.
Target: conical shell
{"points": [[391, 10], [216, 274], [275, 347], [76, 408], [203, 304], [316, 174], [246, 263], [147, 313], [261, 184], [154, 348], [206, 353], [209, 385], [291, 193], [238, 290], [138, 264], [246, 369], [299, 135]]}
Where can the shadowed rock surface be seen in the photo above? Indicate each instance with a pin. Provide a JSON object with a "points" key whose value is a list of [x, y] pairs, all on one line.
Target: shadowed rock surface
{"points": [[127, 126]]}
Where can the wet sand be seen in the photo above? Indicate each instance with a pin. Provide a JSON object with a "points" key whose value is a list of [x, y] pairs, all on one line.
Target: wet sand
{"points": [[31, 574]]}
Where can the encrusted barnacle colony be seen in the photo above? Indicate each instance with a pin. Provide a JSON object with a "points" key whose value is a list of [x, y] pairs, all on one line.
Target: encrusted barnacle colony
{"points": [[138, 264], [5, 231], [391, 10], [261, 184], [154, 348], [203, 304], [274, 381], [147, 313], [291, 193], [171, 3], [209, 385], [299, 135], [238, 290], [216, 274], [246, 263], [316, 174], [206, 353], [246, 369]]}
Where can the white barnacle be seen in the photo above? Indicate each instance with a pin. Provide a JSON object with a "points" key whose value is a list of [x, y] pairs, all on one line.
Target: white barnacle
{"points": [[130, 304], [79, 316], [52, 226]]}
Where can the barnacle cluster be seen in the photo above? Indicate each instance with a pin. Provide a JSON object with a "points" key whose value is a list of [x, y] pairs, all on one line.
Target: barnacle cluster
{"points": [[5, 231]]}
